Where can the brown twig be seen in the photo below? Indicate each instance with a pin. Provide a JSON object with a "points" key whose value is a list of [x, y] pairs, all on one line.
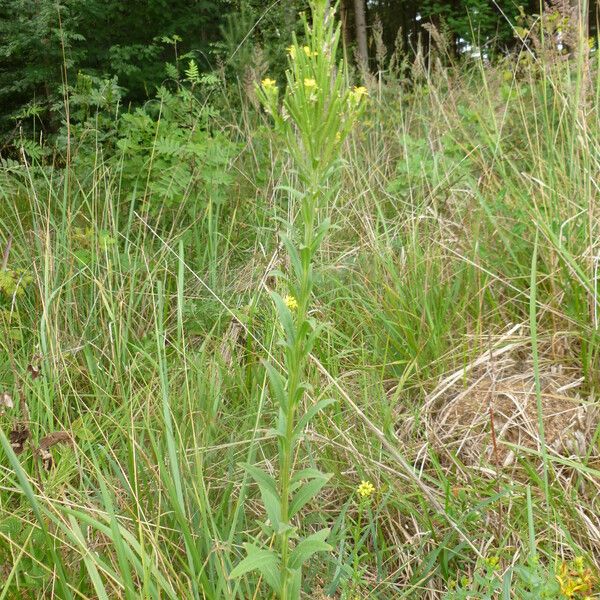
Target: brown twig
{"points": [[6, 253], [491, 396]]}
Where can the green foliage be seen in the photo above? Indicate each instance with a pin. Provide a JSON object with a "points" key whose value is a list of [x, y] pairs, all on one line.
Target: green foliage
{"points": [[191, 73], [33, 38], [253, 38], [170, 150], [13, 283], [535, 580], [171, 155], [45, 45], [485, 584], [238, 322], [316, 116], [474, 22], [528, 580], [135, 34]]}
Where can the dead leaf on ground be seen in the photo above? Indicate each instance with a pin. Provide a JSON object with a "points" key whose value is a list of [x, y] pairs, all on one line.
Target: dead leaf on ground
{"points": [[57, 437], [34, 371], [6, 402], [18, 437]]}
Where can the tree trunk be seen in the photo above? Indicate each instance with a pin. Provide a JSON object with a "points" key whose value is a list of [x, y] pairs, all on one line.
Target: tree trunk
{"points": [[360, 22], [344, 18]]}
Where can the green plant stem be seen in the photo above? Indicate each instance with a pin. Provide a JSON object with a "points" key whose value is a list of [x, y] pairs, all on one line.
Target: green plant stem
{"points": [[357, 532], [296, 367]]}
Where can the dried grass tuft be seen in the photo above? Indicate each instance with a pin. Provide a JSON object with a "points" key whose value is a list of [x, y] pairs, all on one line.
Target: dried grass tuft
{"points": [[496, 397]]}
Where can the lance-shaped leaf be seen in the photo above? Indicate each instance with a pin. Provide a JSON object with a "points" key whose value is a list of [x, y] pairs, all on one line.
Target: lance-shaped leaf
{"points": [[307, 491], [307, 547], [320, 234], [285, 318], [268, 492], [262, 560], [310, 414], [295, 582], [294, 256], [277, 385]]}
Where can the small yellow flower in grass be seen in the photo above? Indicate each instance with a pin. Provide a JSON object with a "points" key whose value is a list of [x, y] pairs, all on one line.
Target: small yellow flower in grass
{"points": [[358, 93], [308, 52], [365, 489], [292, 52], [310, 83], [575, 579], [291, 302], [579, 562], [268, 84]]}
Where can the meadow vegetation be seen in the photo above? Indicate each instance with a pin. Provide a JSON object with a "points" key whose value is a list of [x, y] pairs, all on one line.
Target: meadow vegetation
{"points": [[236, 322]]}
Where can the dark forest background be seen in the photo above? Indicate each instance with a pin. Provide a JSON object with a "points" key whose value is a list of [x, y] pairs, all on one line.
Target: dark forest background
{"points": [[45, 44]]}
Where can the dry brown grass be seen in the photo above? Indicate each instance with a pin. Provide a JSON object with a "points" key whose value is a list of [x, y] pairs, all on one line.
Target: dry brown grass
{"points": [[495, 397]]}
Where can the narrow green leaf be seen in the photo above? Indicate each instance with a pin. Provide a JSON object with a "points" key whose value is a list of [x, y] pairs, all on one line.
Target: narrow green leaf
{"points": [[294, 256], [86, 555], [277, 385], [294, 193], [307, 492], [295, 582], [285, 318], [310, 414], [307, 547], [262, 560], [320, 234], [309, 473], [268, 492]]}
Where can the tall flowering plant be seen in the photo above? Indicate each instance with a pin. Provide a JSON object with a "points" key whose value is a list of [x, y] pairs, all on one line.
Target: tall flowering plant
{"points": [[313, 116]]}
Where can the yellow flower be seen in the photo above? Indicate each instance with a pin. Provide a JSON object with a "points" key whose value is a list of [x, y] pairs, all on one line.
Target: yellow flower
{"points": [[574, 579], [291, 302], [269, 84], [358, 93], [292, 51], [309, 83], [308, 52], [365, 489]]}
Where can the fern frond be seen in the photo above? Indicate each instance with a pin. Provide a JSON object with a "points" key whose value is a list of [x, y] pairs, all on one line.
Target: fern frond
{"points": [[192, 73]]}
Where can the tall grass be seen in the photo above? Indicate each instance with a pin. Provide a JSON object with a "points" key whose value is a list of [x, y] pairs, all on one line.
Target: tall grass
{"points": [[466, 205]]}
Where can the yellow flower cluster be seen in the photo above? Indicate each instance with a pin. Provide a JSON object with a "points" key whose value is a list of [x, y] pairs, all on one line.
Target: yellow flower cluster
{"points": [[268, 84], [310, 83], [575, 580], [291, 302], [358, 93], [365, 489], [292, 52]]}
